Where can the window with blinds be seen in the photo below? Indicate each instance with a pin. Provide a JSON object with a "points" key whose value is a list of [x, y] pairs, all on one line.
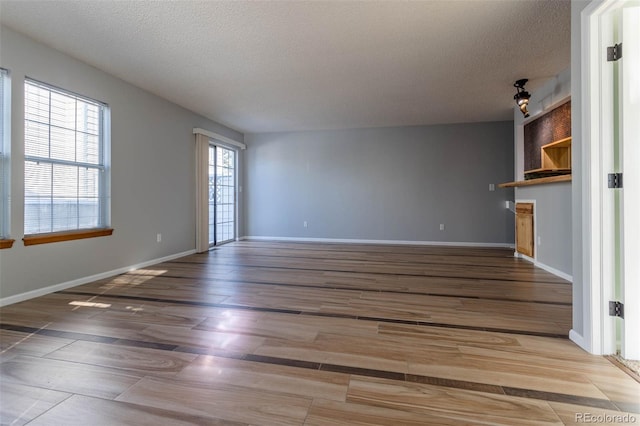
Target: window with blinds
{"points": [[4, 154], [65, 171]]}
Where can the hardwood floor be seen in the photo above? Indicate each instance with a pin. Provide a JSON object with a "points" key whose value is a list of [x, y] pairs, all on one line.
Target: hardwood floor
{"points": [[268, 333]]}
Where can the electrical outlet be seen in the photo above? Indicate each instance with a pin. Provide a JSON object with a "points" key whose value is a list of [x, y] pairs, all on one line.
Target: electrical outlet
{"points": [[442, 226], [492, 187], [159, 237], [304, 223], [539, 240]]}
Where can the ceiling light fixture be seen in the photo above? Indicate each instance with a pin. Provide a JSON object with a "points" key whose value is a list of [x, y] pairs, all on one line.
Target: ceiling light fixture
{"points": [[522, 96]]}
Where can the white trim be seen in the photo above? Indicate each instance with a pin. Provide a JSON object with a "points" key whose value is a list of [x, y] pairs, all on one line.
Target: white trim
{"points": [[202, 193], [84, 280], [552, 270], [5, 158], [218, 137], [590, 257], [389, 242], [578, 339]]}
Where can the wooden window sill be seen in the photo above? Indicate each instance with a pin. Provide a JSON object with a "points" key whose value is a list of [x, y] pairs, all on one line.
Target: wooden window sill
{"points": [[55, 237], [4, 244], [539, 181]]}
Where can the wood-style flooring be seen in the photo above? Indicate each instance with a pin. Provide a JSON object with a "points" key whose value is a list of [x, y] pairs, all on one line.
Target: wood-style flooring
{"points": [[272, 333]]}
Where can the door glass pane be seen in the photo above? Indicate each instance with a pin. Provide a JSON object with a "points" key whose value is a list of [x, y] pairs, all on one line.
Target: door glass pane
{"points": [[225, 194], [222, 208], [212, 191]]}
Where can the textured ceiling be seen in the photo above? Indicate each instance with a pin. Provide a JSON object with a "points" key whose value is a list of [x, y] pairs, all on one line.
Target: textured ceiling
{"points": [[282, 66]]}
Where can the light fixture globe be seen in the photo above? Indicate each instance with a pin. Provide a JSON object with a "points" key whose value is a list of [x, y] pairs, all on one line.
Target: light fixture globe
{"points": [[523, 109], [522, 96]]}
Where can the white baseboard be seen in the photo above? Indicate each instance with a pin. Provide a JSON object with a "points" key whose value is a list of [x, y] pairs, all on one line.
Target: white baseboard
{"points": [[547, 268], [390, 242], [577, 338], [84, 280]]}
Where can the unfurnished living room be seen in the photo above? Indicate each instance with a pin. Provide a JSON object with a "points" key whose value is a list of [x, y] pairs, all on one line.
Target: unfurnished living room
{"points": [[319, 212]]}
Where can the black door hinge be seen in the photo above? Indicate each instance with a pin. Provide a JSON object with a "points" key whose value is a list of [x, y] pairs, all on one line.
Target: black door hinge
{"points": [[614, 180], [616, 309], [614, 52]]}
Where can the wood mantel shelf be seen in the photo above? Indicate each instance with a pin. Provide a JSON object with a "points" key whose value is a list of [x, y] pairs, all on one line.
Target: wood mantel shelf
{"points": [[539, 181]]}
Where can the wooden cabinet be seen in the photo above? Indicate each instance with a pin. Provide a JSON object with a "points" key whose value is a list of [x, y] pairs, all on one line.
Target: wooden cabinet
{"points": [[524, 228], [555, 159]]}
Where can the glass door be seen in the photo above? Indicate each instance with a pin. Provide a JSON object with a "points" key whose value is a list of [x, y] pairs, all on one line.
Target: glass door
{"points": [[222, 195]]}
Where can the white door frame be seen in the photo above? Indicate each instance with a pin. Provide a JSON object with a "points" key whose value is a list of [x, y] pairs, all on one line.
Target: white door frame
{"points": [[630, 132], [592, 298], [597, 200]]}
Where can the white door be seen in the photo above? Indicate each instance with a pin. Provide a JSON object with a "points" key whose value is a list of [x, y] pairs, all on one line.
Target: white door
{"points": [[629, 94]]}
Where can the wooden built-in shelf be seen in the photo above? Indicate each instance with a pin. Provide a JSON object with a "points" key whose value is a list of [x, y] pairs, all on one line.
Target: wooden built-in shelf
{"points": [[557, 154], [555, 160], [539, 181]]}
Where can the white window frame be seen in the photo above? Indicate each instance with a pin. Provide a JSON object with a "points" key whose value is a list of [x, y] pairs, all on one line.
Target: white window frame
{"points": [[102, 165], [5, 163]]}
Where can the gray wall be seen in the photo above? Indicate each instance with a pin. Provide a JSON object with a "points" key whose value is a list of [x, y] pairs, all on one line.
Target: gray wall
{"points": [[552, 223], [395, 184], [152, 181]]}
